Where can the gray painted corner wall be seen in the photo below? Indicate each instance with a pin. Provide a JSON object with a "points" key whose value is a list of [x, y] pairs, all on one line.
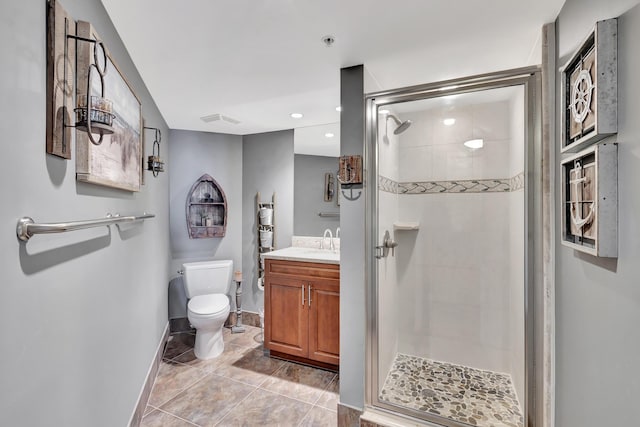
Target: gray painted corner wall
{"points": [[352, 250], [192, 155], [597, 299], [268, 167], [81, 313], [308, 195]]}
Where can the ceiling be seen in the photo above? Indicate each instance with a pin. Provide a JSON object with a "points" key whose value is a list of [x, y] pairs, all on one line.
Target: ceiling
{"points": [[257, 61]]}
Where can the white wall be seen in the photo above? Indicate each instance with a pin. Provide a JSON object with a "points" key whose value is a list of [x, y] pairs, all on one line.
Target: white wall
{"points": [[192, 155], [268, 167], [81, 313], [598, 300]]}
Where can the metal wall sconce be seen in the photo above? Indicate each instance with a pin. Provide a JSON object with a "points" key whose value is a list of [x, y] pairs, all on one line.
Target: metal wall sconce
{"points": [[94, 114], [155, 164]]}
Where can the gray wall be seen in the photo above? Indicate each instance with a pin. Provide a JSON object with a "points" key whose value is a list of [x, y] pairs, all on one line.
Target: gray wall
{"points": [[81, 313], [352, 239], [192, 155], [267, 165], [308, 193], [598, 300]]}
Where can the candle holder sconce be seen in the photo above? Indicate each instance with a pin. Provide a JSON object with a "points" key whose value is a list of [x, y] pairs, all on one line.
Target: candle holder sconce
{"points": [[155, 163]]}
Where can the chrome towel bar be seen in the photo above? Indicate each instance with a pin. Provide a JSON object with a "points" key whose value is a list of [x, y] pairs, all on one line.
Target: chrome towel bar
{"points": [[328, 214], [27, 227]]}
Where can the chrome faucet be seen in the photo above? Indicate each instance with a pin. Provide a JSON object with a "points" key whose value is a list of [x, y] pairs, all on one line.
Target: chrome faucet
{"points": [[338, 233], [324, 236]]}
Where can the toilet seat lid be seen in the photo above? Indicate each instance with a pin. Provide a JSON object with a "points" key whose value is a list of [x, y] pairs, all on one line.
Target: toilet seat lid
{"points": [[208, 304]]}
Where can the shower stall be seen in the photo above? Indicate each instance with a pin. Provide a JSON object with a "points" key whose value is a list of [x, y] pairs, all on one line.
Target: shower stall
{"points": [[449, 327]]}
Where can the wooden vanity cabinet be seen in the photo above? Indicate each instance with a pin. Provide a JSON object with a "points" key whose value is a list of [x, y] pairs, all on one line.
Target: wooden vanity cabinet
{"points": [[302, 311]]}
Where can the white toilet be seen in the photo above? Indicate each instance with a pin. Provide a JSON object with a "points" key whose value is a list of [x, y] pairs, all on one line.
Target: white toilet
{"points": [[206, 284]]}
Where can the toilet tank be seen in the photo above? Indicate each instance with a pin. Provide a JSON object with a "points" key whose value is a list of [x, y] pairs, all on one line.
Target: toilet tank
{"points": [[207, 277]]}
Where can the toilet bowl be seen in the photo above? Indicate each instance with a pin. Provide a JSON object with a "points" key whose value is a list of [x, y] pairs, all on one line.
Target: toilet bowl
{"points": [[207, 314], [206, 284]]}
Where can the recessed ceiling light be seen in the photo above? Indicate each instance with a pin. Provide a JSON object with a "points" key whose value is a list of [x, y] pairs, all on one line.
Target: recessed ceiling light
{"points": [[329, 135], [474, 143], [328, 40], [339, 108], [383, 111], [449, 121], [296, 115]]}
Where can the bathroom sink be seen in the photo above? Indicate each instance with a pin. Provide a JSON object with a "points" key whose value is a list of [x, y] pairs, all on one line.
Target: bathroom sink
{"points": [[294, 253]]}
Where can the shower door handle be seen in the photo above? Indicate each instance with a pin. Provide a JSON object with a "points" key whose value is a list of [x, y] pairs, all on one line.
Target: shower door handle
{"points": [[387, 243]]}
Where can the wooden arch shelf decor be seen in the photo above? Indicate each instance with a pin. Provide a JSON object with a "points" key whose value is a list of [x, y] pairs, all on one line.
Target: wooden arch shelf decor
{"points": [[206, 209]]}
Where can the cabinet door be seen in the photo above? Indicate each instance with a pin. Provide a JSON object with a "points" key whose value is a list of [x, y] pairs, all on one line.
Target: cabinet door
{"points": [[286, 319], [324, 321]]}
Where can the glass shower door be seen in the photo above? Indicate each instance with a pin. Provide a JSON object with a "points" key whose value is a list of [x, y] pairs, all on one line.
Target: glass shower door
{"points": [[449, 342]]}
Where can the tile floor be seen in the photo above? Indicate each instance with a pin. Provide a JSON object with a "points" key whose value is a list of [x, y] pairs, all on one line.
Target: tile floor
{"points": [[241, 387], [461, 393]]}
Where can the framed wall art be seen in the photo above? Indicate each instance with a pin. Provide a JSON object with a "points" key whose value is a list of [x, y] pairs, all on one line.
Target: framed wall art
{"points": [[590, 89], [60, 79], [590, 200], [116, 161]]}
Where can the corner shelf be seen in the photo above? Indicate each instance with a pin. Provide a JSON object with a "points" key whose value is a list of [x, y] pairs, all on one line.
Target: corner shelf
{"points": [[206, 209], [260, 227]]}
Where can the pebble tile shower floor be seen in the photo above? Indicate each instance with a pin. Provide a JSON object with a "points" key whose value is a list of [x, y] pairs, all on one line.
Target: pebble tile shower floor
{"points": [[241, 387], [464, 394]]}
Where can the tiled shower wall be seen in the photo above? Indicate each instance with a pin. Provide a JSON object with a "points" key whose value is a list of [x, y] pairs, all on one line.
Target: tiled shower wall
{"points": [[388, 310], [459, 284]]}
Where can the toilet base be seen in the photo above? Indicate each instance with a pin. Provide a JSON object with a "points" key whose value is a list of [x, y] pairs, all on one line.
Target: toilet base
{"points": [[209, 344]]}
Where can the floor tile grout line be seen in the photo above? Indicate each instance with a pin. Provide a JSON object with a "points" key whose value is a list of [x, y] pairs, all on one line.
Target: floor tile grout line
{"points": [[289, 397], [206, 374], [235, 406], [178, 417], [306, 415]]}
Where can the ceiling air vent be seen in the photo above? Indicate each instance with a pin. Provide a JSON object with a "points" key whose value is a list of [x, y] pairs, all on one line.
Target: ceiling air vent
{"points": [[217, 117]]}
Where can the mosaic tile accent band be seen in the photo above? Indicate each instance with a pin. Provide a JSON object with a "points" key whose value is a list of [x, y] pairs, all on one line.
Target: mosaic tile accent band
{"points": [[459, 186], [517, 182], [388, 185], [468, 395]]}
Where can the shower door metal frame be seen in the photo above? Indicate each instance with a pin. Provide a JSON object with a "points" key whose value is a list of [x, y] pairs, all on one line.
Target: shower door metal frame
{"points": [[530, 79]]}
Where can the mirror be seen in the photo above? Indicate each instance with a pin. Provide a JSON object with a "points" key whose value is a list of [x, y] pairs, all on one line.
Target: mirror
{"points": [[316, 150]]}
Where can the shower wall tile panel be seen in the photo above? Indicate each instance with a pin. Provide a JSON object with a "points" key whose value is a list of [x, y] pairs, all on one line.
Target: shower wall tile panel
{"points": [[454, 280], [389, 286], [492, 160], [388, 152], [451, 161], [430, 150], [416, 163]]}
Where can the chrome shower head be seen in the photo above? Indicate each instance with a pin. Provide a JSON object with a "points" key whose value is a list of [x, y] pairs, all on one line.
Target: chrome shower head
{"points": [[400, 126]]}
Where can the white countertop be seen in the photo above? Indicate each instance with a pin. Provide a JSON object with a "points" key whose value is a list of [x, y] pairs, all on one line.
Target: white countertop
{"points": [[295, 253]]}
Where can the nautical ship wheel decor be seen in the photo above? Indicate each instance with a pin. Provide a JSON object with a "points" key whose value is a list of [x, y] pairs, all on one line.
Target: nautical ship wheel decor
{"points": [[590, 89], [581, 96]]}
